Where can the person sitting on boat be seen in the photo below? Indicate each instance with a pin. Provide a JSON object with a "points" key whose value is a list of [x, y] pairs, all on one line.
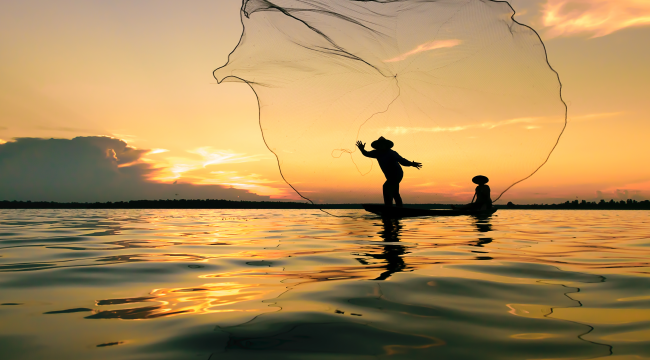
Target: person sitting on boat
{"points": [[481, 200], [389, 162]]}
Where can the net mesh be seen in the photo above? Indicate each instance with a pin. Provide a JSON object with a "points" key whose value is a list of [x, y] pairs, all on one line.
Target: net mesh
{"points": [[457, 85]]}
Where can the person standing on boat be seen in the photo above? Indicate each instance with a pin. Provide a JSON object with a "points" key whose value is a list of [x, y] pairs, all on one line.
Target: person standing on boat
{"points": [[389, 162]]}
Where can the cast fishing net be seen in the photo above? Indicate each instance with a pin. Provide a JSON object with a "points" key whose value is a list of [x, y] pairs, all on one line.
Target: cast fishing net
{"points": [[457, 85]]}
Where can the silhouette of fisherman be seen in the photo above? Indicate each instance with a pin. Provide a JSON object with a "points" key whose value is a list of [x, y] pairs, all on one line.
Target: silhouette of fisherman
{"points": [[481, 200], [389, 162]]}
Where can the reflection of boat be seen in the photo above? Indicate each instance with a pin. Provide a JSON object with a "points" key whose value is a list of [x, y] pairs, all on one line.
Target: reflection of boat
{"points": [[399, 212]]}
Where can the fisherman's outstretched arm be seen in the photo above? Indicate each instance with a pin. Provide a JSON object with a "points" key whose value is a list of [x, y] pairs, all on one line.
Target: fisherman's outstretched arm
{"points": [[362, 148], [414, 164]]}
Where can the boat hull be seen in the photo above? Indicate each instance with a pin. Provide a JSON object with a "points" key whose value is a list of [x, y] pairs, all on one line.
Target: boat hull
{"points": [[400, 212]]}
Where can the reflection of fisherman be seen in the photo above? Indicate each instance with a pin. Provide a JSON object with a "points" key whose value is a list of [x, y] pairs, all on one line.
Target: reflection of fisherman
{"points": [[392, 253], [389, 162]]}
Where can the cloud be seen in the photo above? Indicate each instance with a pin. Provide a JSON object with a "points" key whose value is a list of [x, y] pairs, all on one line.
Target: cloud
{"points": [[530, 123], [401, 130], [88, 169], [213, 156], [201, 170], [635, 191], [177, 166], [156, 151], [436, 44], [595, 17]]}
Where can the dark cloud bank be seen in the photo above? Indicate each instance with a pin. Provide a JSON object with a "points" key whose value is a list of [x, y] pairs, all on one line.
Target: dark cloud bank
{"points": [[87, 169]]}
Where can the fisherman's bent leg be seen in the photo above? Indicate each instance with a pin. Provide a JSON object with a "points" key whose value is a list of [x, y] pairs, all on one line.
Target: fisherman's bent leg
{"points": [[396, 195], [388, 194], [391, 191]]}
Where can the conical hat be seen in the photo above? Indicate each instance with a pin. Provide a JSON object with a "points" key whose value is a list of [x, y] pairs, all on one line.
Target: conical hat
{"points": [[382, 144], [480, 179]]}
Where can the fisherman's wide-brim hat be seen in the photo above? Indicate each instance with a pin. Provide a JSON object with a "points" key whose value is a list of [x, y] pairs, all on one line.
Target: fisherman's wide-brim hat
{"points": [[480, 179], [382, 144]]}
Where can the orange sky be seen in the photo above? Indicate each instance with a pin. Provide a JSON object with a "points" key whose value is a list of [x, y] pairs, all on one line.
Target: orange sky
{"points": [[142, 72]]}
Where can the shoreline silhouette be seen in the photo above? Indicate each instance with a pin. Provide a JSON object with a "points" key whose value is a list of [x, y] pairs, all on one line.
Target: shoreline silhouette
{"points": [[233, 204]]}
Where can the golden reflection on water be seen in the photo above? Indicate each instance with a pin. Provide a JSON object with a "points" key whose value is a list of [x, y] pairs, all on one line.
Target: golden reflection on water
{"points": [[296, 283], [208, 298]]}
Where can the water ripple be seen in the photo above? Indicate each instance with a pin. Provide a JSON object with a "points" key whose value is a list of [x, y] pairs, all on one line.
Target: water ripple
{"points": [[285, 284]]}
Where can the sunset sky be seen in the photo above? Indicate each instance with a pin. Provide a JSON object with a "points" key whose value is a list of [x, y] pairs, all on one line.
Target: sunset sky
{"points": [[136, 78]]}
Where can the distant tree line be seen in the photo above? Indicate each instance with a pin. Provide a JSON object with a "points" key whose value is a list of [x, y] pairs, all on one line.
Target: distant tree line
{"points": [[586, 205], [229, 204], [172, 204]]}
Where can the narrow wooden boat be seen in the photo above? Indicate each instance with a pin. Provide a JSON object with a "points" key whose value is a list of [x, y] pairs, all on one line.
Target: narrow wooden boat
{"points": [[399, 212]]}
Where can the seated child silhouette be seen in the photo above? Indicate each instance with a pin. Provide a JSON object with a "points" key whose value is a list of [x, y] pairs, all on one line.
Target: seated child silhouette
{"points": [[481, 200], [389, 162]]}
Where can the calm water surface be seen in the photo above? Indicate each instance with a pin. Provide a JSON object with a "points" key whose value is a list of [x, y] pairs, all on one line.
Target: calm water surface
{"points": [[296, 284]]}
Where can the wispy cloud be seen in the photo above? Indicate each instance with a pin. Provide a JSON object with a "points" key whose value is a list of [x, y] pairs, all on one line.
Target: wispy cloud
{"points": [[157, 151], [596, 17], [530, 123], [436, 44], [208, 156], [401, 130], [214, 156], [201, 171]]}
